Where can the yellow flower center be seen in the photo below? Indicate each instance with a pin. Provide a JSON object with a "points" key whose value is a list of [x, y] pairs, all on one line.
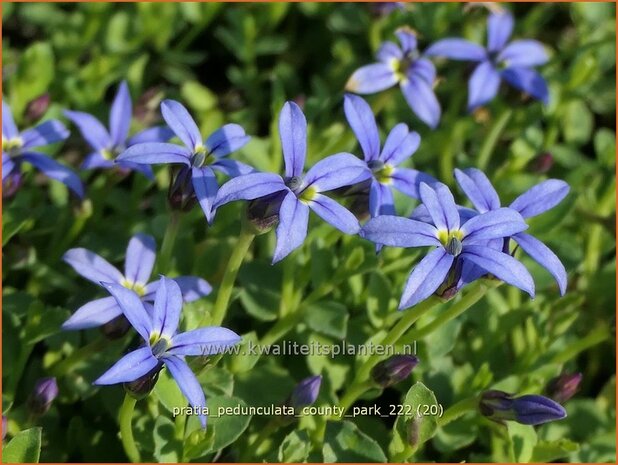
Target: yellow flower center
{"points": [[451, 240], [385, 175], [138, 288], [308, 194], [12, 146], [159, 344]]}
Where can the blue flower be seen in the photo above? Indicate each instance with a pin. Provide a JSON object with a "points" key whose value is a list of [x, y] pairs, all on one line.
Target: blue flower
{"points": [[203, 158], [108, 144], [455, 243], [404, 66], [512, 62], [163, 344], [139, 262], [529, 409], [306, 392], [384, 164], [538, 199], [18, 147], [299, 192]]}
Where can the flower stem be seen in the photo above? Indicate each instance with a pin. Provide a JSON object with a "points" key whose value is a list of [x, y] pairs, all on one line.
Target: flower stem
{"points": [[492, 138], [457, 410], [126, 431], [169, 239]]}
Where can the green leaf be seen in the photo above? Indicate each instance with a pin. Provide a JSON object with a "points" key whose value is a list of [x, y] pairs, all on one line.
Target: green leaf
{"points": [[295, 447], [33, 77], [25, 447], [379, 293], [328, 318], [168, 392], [577, 122], [344, 442], [549, 451], [164, 449], [523, 441]]}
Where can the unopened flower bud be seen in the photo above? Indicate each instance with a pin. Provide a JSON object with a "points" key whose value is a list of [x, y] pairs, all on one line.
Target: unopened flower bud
{"points": [[11, 184], [44, 393], [116, 328], [393, 370], [563, 387], [529, 409], [541, 164], [306, 392], [263, 213], [36, 108], [4, 425], [181, 195], [141, 387]]}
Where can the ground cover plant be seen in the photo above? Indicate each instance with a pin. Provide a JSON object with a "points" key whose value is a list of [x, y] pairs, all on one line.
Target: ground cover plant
{"points": [[308, 232]]}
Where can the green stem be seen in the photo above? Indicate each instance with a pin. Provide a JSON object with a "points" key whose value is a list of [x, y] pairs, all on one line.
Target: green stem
{"points": [[492, 138], [126, 431], [355, 391], [593, 338], [79, 355], [287, 288], [457, 410], [229, 277], [169, 239]]}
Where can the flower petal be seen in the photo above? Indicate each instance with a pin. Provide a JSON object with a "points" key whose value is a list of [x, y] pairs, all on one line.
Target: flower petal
{"points": [[495, 224], [440, 205], [407, 181], [540, 198], [424, 69], [407, 39], [249, 187], [192, 287], [205, 187], [133, 309], [457, 49], [483, 85], [292, 228], [130, 367], [93, 314], [146, 170], [91, 129], [139, 259], [120, 115], [152, 153], [204, 341], [167, 307], [180, 121], [529, 81], [54, 170], [501, 265], [381, 200], [397, 231], [226, 140], [188, 384], [154, 134], [400, 145], [478, 189], [96, 160], [426, 277], [372, 78], [334, 214], [92, 266], [44, 134], [363, 124], [544, 257], [232, 168], [421, 98], [293, 135], [523, 53], [9, 128], [335, 171], [389, 51], [499, 30]]}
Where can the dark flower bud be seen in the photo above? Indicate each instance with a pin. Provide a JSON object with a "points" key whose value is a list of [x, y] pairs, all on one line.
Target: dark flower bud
{"points": [[36, 108], [44, 393], [147, 105], [141, 387], [306, 392], [263, 213], [541, 164], [563, 387], [181, 195], [393, 370], [530, 409], [4, 425], [11, 184], [116, 328]]}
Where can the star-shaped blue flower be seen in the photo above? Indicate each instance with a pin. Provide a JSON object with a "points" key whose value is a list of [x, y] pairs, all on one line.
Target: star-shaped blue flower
{"points": [[512, 62], [164, 345], [19, 147], [406, 67], [108, 144]]}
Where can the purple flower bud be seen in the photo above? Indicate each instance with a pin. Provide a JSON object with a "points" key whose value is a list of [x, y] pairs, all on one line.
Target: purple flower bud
{"points": [[563, 387], [4, 425], [44, 393], [541, 164], [37, 107], [141, 387], [529, 409], [393, 370], [386, 8], [181, 195], [263, 213], [11, 184], [306, 392], [116, 328]]}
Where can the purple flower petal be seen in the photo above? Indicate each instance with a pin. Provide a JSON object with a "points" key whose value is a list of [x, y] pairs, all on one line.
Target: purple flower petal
{"points": [[457, 49], [483, 85], [204, 341], [231, 167], [192, 287], [292, 228], [140, 258], [523, 53], [544, 257], [363, 124], [91, 129], [424, 69], [152, 153], [495, 224], [421, 98], [120, 115], [249, 187], [9, 128], [226, 140], [180, 121], [407, 181], [133, 309], [205, 187], [440, 205], [407, 39], [389, 51], [501, 265], [335, 171], [540, 198], [397, 231], [146, 170], [167, 308], [381, 200], [7, 166], [426, 277], [293, 135], [129, 368], [528, 81], [372, 78], [334, 214], [92, 266], [155, 134], [93, 314], [188, 384], [397, 143], [499, 30], [478, 189], [54, 170], [44, 134], [96, 160]]}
